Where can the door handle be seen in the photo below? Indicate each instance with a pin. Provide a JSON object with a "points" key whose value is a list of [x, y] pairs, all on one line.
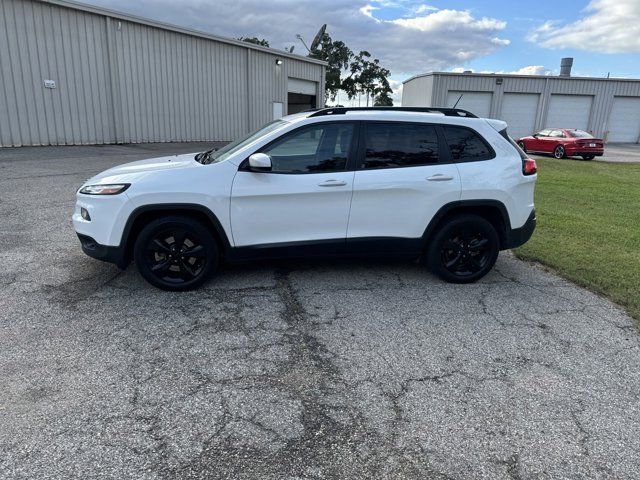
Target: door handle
{"points": [[332, 183], [439, 177]]}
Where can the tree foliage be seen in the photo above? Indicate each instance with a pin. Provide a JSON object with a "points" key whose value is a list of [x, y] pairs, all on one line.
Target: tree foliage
{"points": [[354, 74], [338, 56], [255, 40]]}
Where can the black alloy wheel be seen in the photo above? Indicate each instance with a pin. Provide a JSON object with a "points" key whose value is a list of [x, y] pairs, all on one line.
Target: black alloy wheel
{"points": [[176, 253], [464, 250], [559, 152]]}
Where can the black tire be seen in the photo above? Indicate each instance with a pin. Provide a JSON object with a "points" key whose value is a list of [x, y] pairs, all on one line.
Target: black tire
{"points": [[588, 157], [464, 249], [176, 253], [521, 145], [558, 152]]}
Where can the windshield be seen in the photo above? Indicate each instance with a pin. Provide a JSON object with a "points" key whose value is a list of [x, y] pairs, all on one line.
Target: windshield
{"points": [[221, 154], [580, 134]]}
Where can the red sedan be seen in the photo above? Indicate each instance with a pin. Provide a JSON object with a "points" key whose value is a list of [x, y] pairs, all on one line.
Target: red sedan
{"points": [[563, 142]]}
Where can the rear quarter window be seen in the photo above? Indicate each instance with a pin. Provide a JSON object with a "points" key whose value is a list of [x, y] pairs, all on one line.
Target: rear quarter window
{"points": [[506, 136], [466, 145]]}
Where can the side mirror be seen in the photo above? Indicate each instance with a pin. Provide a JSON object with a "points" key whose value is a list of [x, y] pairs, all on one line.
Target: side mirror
{"points": [[535, 135], [260, 162]]}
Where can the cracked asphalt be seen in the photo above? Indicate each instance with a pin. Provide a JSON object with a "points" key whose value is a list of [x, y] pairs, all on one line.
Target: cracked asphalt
{"points": [[335, 369]]}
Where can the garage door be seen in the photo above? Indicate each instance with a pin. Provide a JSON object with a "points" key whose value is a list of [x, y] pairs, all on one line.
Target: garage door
{"points": [[569, 111], [305, 87], [624, 121], [519, 111], [478, 103]]}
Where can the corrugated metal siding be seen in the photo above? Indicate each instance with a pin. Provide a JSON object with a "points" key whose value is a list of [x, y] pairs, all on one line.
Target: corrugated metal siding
{"points": [[601, 90], [43, 42], [123, 81], [418, 92], [174, 87]]}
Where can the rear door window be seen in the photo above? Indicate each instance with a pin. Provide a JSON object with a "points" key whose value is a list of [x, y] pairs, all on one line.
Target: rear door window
{"points": [[466, 145], [392, 145]]}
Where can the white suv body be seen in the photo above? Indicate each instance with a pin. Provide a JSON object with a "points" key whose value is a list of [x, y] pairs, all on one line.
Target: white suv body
{"points": [[334, 181]]}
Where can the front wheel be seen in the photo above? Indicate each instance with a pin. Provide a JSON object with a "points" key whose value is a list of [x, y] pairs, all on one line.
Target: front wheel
{"points": [[176, 253], [559, 152], [464, 249]]}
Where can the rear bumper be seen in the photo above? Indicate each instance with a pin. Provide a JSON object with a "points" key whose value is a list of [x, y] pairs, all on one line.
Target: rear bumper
{"points": [[102, 252], [519, 236], [585, 151]]}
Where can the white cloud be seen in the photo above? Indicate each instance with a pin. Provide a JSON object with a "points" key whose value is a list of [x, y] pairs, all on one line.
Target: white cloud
{"points": [[367, 10], [424, 9], [450, 20], [528, 70], [427, 39], [608, 26], [533, 70]]}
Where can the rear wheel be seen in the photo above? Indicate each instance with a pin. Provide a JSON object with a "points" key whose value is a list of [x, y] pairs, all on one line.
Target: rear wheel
{"points": [[464, 249], [559, 152], [176, 253], [588, 157]]}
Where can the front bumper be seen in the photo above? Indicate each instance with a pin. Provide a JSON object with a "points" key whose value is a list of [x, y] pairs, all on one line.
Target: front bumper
{"points": [[519, 236], [103, 252]]}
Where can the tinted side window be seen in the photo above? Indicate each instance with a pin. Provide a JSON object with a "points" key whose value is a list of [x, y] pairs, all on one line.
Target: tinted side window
{"points": [[317, 149], [389, 145], [544, 133], [556, 133], [465, 144]]}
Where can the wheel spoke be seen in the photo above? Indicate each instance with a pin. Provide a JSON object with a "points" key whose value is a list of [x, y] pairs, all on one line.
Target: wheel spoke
{"points": [[179, 238], [453, 263], [197, 251], [162, 266], [185, 267], [451, 245], [158, 246], [474, 264], [478, 244]]}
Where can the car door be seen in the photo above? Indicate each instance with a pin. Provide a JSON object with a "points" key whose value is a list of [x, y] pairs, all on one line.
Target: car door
{"points": [[401, 181], [549, 141], [556, 137], [306, 195], [538, 141]]}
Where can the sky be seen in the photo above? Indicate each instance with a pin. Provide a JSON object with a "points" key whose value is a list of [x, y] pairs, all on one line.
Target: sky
{"points": [[411, 37]]}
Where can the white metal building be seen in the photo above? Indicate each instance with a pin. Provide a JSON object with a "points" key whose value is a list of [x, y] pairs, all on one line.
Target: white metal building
{"points": [[608, 108], [74, 74]]}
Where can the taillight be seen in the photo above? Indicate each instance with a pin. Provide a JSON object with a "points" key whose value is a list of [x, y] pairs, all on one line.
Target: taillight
{"points": [[529, 166]]}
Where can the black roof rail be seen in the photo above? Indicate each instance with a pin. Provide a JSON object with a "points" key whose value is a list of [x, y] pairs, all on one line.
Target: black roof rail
{"points": [[448, 112]]}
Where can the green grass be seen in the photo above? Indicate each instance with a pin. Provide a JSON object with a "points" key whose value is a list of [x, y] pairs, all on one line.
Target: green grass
{"points": [[589, 226]]}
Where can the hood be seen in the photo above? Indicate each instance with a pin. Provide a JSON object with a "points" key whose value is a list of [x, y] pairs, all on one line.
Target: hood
{"points": [[128, 172]]}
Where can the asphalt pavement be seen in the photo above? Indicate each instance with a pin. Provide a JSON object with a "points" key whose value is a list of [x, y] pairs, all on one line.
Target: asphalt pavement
{"points": [[322, 370]]}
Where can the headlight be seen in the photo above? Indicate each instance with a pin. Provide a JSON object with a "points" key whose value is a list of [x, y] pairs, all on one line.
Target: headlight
{"points": [[112, 189]]}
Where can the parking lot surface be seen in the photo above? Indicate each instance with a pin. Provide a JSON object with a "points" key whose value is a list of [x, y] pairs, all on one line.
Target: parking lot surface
{"points": [[335, 369]]}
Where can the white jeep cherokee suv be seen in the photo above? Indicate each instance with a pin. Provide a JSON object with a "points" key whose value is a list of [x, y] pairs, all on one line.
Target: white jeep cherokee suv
{"points": [[436, 184]]}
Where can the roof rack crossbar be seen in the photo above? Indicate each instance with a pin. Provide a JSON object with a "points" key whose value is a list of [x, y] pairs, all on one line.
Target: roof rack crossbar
{"points": [[448, 112]]}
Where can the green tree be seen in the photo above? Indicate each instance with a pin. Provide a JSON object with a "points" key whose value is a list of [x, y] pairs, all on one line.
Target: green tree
{"points": [[368, 78], [255, 40], [338, 57], [383, 96]]}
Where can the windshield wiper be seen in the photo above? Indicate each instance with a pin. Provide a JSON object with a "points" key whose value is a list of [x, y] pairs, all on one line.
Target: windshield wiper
{"points": [[203, 157]]}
